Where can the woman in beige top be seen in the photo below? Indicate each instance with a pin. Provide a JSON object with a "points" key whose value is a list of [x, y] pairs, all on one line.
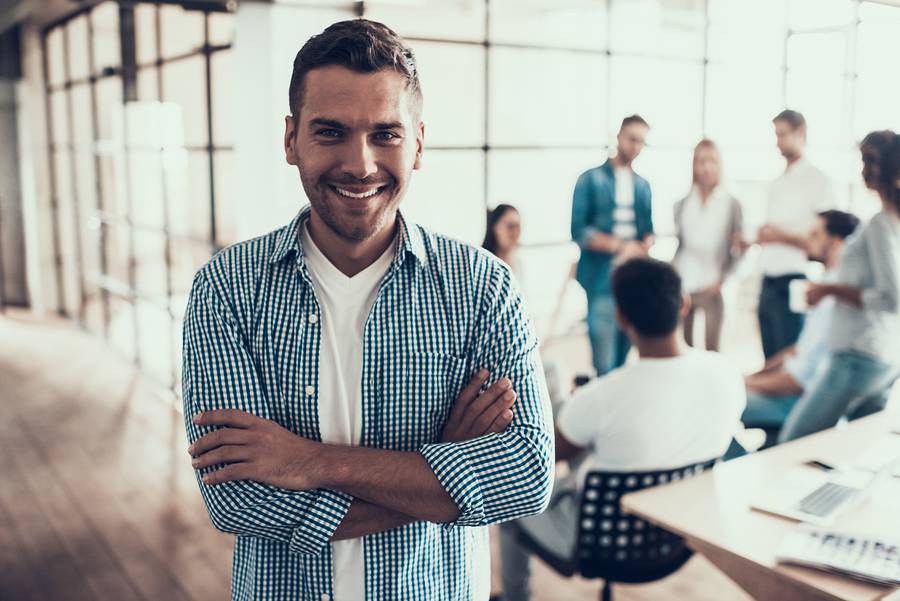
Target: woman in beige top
{"points": [[708, 224]]}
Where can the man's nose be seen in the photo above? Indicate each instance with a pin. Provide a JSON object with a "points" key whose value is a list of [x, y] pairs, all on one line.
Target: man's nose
{"points": [[359, 160]]}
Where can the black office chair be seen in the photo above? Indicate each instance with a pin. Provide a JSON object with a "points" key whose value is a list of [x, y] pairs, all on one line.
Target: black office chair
{"points": [[613, 545]]}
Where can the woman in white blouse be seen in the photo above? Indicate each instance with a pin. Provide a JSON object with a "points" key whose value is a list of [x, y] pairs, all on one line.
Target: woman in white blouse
{"points": [[708, 224]]}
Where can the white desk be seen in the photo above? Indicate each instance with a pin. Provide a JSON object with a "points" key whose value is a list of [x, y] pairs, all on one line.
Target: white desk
{"points": [[712, 513]]}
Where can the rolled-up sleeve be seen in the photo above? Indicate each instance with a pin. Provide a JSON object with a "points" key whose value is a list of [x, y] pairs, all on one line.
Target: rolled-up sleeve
{"points": [[582, 228], [501, 477], [219, 373]]}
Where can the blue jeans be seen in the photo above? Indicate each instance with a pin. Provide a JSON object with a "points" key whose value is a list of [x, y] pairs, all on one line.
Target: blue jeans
{"points": [[609, 344], [853, 385], [766, 413], [779, 327]]}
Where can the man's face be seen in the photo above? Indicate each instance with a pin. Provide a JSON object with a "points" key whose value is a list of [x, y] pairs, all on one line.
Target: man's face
{"points": [[819, 241], [631, 141], [790, 141], [356, 142]]}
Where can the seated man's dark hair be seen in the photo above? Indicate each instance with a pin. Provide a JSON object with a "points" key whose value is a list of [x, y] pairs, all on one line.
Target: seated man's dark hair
{"points": [[839, 223], [359, 45], [648, 295]]}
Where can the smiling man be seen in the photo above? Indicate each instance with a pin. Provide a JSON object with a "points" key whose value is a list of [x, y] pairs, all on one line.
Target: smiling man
{"points": [[325, 363]]}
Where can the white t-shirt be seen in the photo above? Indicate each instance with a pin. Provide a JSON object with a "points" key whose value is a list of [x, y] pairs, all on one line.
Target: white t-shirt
{"points": [[795, 198], [656, 413], [345, 304], [624, 225], [704, 228]]}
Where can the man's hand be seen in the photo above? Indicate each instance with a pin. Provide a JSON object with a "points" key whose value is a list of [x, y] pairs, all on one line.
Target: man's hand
{"points": [[253, 448], [630, 249], [475, 415], [770, 233], [816, 292]]}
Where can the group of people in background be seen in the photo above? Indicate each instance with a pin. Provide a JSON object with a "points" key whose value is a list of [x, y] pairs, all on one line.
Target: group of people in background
{"points": [[831, 347], [850, 323]]}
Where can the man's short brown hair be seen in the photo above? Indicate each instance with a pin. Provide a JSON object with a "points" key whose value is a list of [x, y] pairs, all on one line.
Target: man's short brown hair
{"points": [[359, 45], [793, 118], [633, 119]]}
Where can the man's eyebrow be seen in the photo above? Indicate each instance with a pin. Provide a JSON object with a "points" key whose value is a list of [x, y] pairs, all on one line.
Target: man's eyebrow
{"points": [[319, 122], [388, 125]]}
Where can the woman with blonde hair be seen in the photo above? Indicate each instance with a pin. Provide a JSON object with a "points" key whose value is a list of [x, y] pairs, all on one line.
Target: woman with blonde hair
{"points": [[708, 223]]}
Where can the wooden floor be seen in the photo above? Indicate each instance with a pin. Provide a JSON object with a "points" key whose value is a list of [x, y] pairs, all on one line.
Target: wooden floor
{"points": [[98, 499]]}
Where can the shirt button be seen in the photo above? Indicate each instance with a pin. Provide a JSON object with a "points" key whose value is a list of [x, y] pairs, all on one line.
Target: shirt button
{"points": [[326, 597], [313, 318], [310, 391]]}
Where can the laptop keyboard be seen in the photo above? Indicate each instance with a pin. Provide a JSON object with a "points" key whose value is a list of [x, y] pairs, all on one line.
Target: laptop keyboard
{"points": [[825, 499]]}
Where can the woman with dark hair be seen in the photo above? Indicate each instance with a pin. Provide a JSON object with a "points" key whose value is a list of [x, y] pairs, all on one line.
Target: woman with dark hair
{"points": [[864, 340], [707, 222], [502, 235]]}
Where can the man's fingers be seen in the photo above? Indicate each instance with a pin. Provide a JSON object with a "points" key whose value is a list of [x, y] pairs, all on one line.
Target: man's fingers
{"points": [[485, 400], [233, 418], [470, 392], [228, 473], [467, 395], [483, 422], [224, 454], [502, 422], [216, 439]]}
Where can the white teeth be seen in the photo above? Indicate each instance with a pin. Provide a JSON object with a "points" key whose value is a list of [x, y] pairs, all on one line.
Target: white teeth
{"points": [[349, 194]]}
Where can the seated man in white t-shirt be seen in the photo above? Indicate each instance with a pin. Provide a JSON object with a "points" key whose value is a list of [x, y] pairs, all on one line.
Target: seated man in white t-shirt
{"points": [[675, 406]]}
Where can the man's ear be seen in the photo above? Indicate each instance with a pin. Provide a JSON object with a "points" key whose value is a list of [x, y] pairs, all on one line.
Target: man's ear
{"points": [[420, 145], [685, 305], [290, 133]]}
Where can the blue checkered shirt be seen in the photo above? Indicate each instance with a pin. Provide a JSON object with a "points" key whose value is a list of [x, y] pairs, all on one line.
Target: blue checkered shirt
{"points": [[252, 336]]}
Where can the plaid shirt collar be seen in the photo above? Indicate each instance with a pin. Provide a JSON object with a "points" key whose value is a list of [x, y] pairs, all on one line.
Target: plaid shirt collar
{"points": [[409, 242]]}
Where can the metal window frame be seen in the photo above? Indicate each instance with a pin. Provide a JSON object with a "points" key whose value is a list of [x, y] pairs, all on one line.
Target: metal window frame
{"points": [[109, 286]]}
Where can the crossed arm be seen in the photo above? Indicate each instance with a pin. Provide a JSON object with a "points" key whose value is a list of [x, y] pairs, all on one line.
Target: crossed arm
{"points": [[588, 237], [394, 489], [260, 479]]}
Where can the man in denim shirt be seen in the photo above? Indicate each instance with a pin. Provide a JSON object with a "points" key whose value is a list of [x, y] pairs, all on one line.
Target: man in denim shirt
{"points": [[611, 222]]}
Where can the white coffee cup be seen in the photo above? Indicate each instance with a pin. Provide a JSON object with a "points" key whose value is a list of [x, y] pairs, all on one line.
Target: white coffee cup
{"points": [[797, 296]]}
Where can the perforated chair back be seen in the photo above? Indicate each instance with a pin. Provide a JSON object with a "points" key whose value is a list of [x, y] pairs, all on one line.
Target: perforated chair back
{"points": [[619, 547]]}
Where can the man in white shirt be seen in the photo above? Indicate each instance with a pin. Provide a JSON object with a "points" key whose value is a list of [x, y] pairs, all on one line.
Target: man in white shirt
{"points": [[794, 200], [675, 406]]}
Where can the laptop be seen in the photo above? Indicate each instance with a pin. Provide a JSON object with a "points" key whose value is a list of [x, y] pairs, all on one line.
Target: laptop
{"points": [[811, 495], [817, 493]]}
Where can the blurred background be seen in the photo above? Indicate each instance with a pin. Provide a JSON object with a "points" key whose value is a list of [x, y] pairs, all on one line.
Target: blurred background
{"points": [[138, 138]]}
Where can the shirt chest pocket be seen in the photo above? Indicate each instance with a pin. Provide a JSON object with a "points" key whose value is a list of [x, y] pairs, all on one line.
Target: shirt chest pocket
{"points": [[415, 394]]}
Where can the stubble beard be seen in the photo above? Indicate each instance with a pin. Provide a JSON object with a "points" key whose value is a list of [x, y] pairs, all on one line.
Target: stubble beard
{"points": [[350, 228]]}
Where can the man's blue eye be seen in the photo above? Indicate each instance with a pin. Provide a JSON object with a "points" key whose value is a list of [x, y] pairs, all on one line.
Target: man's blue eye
{"points": [[386, 135], [329, 133]]}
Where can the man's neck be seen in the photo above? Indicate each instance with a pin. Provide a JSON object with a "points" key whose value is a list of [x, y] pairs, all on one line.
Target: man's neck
{"points": [[793, 159], [350, 256], [665, 347], [618, 162], [833, 258]]}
